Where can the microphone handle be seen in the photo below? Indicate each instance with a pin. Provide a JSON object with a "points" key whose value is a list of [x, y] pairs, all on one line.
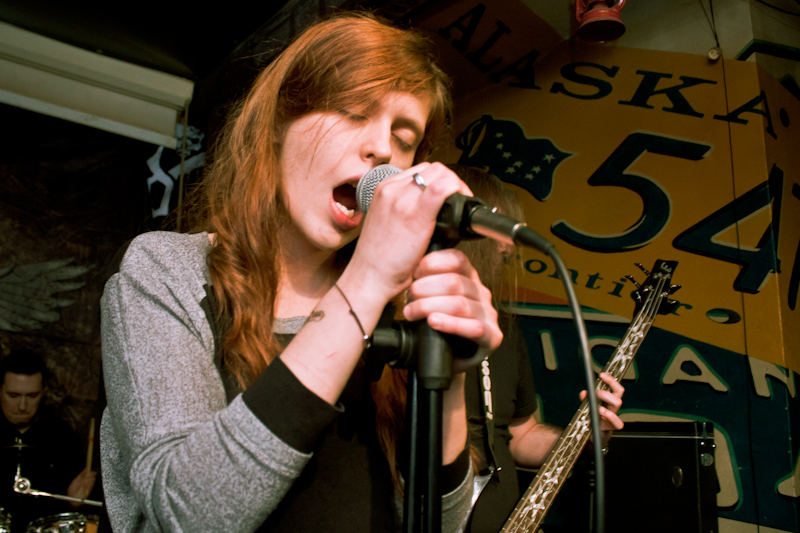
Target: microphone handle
{"points": [[487, 221]]}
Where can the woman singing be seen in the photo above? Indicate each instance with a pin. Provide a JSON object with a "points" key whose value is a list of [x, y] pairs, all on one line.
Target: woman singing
{"points": [[232, 356]]}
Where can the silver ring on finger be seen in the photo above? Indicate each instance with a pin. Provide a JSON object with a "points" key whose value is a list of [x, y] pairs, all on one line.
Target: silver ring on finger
{"points": [[419, 180]]}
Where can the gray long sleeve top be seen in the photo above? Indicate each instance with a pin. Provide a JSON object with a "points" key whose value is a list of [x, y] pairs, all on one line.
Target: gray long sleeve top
{"points": [[175, 455]]}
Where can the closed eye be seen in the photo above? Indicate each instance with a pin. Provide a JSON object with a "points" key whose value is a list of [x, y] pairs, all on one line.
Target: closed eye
{"points": [[404, 146], [352, 116], [408, 133]]}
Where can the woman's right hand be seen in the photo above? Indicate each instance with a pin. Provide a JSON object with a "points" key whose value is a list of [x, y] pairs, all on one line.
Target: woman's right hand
{"points": [[390, 257], [399, 227]]}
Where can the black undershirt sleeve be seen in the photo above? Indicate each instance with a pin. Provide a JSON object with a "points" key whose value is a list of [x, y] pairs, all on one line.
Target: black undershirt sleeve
{"points": [[292, 412]]}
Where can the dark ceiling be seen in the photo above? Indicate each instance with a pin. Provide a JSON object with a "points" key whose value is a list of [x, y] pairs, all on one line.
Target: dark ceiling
{"points": [[180, 38]]}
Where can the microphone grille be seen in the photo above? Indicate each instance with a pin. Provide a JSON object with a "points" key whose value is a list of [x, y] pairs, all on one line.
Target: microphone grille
{"points": [[366, 185]]}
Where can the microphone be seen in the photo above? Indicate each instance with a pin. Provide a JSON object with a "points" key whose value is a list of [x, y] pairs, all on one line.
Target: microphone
{"points": [[461, 217]]}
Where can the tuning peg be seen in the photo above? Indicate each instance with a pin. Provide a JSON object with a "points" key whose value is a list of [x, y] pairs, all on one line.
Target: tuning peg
{"points": [[630, 278], [674, 288], [643, 269]]}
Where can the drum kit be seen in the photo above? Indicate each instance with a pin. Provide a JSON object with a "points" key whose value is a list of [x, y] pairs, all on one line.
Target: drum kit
{"points": [[58, 523]]}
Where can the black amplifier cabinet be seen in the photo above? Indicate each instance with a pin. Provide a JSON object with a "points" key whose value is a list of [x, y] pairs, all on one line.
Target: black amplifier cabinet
{"points": [[661, 477]]}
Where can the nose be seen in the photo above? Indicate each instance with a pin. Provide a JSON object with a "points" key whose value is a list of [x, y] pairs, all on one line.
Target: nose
{"points": [[377, 142], [23, 403]]}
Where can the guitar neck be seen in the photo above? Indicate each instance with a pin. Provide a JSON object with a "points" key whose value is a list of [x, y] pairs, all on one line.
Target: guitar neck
{"points": [[534, 504]]}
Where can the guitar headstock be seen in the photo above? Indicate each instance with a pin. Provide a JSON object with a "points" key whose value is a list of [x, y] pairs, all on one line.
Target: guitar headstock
{"points": [[658, 279]]}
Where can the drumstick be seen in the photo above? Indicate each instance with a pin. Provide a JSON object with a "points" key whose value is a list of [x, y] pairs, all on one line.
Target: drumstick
{"points": [[91, 446]]}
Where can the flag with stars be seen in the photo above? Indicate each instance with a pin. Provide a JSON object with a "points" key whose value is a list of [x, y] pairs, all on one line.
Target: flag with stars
{"points": [[501, 147]]}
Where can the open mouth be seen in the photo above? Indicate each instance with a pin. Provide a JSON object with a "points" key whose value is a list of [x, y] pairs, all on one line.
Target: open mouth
{"points": [[345, 198]]}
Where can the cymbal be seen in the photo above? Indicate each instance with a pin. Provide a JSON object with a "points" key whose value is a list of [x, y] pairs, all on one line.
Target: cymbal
{"points": [[19, 445]]}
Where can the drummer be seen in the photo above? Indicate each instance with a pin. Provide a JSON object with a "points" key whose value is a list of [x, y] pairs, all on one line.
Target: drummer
{"points": [[43, 446]]}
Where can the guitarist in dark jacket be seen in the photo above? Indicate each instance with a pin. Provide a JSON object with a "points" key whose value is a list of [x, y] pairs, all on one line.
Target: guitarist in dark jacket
{"points": [[511, 437]]}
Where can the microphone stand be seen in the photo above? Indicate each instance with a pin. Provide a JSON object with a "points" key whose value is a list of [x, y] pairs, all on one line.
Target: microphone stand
{"points": [[430, 374], [427, 354], [426, 384]]}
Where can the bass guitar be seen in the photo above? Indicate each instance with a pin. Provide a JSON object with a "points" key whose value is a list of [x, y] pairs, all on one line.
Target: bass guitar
{"points": [[651, 300]]}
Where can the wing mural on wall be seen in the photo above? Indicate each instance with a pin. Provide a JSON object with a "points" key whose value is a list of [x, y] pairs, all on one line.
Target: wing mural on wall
{"points": [[30, 294]]}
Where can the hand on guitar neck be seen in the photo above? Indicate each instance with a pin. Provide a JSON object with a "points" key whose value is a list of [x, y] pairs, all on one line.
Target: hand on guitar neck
{"points": [[532, 441], [610, 403]]}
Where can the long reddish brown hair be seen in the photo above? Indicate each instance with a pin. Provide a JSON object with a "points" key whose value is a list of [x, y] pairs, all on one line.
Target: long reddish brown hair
{"points": [[485, 255], [347, 61]]}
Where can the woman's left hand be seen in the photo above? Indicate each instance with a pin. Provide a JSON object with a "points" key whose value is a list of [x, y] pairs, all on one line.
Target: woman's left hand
{"points": [[610, 403], [448, 293]]}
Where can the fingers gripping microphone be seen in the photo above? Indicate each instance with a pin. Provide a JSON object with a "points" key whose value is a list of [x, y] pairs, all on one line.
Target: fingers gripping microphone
{"points": [[461, 217]]}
